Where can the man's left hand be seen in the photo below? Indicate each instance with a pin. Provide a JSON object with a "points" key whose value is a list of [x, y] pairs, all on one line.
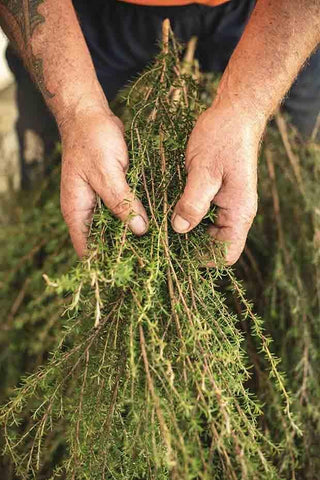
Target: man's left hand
{"points": [[221, 162]]}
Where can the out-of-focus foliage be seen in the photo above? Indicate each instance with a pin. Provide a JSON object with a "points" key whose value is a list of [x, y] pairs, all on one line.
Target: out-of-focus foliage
{"points": [[281, 268], [33, 240]]}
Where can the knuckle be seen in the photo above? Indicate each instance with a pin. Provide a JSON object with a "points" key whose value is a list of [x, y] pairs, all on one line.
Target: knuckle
{"points": [[120, 208], [249, 215], [118, 122], [249, 212], [192, 210], [121, 204]]}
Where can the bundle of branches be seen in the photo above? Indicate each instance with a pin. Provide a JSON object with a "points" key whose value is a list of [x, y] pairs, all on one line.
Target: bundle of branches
{"points": [[151, 377], [150, 373]]}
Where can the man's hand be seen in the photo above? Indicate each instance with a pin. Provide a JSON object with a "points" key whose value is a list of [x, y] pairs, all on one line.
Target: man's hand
{"points": [[221, 162], [222, 151], [95, 161]]}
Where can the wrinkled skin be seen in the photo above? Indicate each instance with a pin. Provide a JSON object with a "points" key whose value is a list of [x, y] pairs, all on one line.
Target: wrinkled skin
{"points": [[95, 159], [221, 162]]}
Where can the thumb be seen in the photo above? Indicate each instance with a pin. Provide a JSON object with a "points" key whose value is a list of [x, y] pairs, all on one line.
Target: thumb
{"points": [[195, 201], [116, 194]]}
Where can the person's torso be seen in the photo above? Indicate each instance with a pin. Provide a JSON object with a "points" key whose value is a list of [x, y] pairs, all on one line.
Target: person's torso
{"points": [[174, 3]]}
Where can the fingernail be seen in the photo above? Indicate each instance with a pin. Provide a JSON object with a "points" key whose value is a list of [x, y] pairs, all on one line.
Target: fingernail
{"points": [[137, 225], [180, 224]]}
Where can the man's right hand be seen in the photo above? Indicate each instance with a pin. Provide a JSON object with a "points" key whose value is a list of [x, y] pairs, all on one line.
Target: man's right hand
{"points": [[95, 161]]}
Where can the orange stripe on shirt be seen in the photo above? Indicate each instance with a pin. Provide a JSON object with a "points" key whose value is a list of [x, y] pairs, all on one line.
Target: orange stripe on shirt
{"points": [[175, 3]]}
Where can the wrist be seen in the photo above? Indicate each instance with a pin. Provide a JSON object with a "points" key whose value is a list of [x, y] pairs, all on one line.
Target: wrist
{"points": [[242, 106], [89, 102], [80, 114], [236, 120]]}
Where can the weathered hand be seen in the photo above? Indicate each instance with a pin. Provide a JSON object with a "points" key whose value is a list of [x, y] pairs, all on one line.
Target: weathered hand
{"points": [[95, 161], [221, 162]]}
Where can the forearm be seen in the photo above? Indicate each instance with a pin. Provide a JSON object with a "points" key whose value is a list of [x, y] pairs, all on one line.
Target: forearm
{"points": [[279, 37], [48, 37]]}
